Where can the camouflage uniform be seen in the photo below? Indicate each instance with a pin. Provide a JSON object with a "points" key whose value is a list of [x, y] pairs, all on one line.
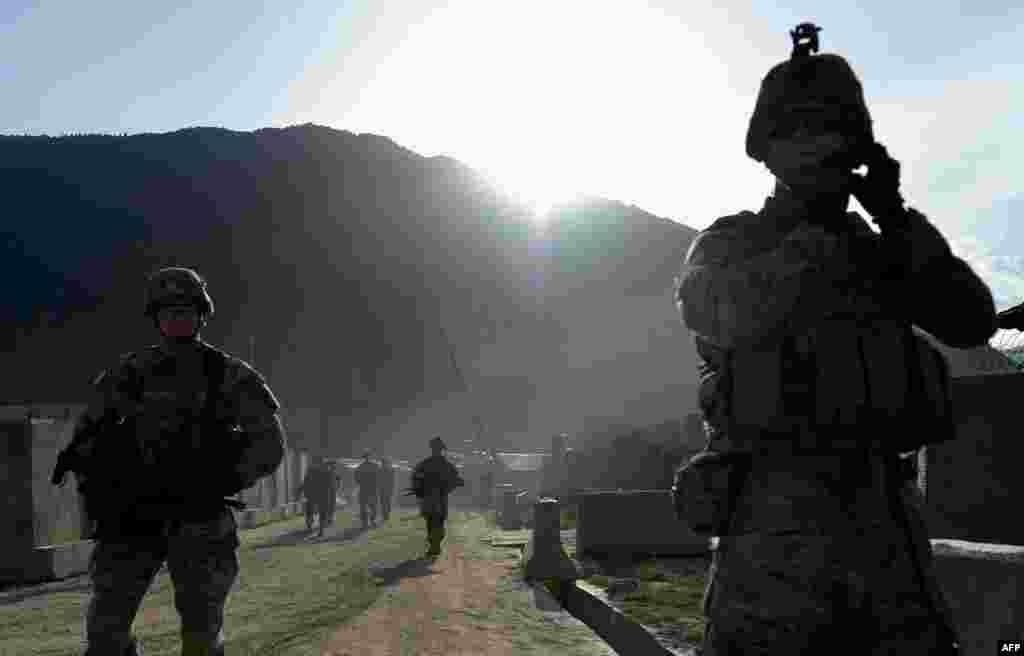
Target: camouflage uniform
{"points": [[386, 487], [317, 488], [163, 390], [366, 477], [802, 326], [433, 479]]}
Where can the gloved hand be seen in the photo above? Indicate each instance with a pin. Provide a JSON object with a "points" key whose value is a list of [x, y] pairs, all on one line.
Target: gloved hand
{"points": [[878, 191], [61, 469]]}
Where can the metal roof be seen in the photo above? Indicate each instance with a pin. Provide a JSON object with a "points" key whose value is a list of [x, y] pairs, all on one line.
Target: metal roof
{"points": [[523, 461]]}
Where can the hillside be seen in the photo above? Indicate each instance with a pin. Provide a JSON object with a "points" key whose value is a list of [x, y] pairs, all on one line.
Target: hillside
{"points": [[348, 258]]}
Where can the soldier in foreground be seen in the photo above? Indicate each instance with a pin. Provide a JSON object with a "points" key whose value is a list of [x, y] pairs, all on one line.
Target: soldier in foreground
{"points": [[366, 478], [433, 479], [813, 384], [386, 486], [172, 432]]}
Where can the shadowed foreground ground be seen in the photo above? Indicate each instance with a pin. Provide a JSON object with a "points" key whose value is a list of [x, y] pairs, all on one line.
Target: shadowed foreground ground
{"points": [[350, 593]]}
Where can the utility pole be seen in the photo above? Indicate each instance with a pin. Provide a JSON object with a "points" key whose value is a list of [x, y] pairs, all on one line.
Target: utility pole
{"points": [[478, 423]]}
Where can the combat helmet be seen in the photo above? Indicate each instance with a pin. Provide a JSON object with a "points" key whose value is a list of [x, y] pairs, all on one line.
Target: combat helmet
{"points": [[822, 83], [177, 286]]}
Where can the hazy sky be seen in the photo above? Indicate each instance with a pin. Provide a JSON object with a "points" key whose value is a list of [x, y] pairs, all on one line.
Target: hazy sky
{"points": [[641, 102]]}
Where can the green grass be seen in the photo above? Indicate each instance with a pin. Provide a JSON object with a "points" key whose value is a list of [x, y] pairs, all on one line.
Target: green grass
{"points": [[662, 598], [287, 598]]}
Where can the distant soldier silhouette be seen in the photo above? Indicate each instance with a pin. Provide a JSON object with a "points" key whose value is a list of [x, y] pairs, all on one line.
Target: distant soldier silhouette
{"points": [[386, 486], [172, 432], [433, 479], [317, 487], [366, 477], [334, 479], [814, 387]]}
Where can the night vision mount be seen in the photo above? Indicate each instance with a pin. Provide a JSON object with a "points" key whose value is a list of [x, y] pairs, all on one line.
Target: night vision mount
{"points": [[805, 39]]}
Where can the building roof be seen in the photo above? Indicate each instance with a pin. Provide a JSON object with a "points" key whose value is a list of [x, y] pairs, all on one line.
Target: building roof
{"points": [[523, 461]]}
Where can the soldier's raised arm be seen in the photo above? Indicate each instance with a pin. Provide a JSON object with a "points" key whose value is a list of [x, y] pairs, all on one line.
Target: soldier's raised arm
{"points": [[937, 290]]}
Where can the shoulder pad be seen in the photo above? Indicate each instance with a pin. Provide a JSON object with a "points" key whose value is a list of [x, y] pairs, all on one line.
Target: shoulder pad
{"points": [[243, 379], [731, 221], [714, 245]]}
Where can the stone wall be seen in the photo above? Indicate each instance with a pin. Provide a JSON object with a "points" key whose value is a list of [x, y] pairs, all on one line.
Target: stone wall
{"points": [[633, 522], [36, 513], [973, 483]]}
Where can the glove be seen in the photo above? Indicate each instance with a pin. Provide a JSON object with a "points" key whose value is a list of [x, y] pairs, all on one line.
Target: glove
{"points": [[878, 191], [61, 469]]}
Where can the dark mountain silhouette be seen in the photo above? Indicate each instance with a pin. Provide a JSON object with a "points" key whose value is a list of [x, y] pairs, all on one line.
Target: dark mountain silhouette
{"points": [[350, 260]]}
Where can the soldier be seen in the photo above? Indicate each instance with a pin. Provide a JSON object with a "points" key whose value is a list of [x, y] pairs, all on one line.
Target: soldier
{"points": [[334, 483], [813, 383], [386, 486], [433, 479], [305, 490], [366, 477], [317, 487], [172, 432]]}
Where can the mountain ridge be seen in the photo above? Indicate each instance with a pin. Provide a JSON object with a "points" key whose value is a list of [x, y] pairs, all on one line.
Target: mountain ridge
{"points": [[345, 252]]}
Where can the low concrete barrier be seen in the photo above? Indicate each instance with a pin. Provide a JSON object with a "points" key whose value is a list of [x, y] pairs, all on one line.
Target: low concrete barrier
{"points": [[514, 508], [633, 522], [623, 634], [48, 563], [984, 586], [253, 517], [59, 561], [545, 556]]}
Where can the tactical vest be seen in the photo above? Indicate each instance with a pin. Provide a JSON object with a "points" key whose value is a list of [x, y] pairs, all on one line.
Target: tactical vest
{"points": [[802, 345], [141, 478], [843, 385]]}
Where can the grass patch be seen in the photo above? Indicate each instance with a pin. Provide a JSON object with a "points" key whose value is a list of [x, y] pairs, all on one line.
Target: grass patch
{"points": [[662, 598], [289, 595]]}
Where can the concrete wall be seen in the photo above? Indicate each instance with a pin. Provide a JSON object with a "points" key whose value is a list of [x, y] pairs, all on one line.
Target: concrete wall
{"points": [[973, 483], [633, 522], [16, 527], [984, 587], [35, 513]]}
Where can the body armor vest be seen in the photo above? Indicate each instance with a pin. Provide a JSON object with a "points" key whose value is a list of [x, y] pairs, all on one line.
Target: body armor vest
{"points": [[801, 348]]}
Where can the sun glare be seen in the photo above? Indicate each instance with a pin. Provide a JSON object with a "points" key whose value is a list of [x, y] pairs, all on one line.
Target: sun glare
{"points": [[587, 100]]}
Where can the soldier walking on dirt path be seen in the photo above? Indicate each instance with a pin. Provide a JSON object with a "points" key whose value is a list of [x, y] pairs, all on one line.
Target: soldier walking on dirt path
{"points": [[317, 488], [433, 479], [815, 389], [386, 486], [366, 477], [171, 434]]}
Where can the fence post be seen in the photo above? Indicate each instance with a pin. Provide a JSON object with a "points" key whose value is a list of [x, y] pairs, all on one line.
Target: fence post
{"points": [[545, 557]]}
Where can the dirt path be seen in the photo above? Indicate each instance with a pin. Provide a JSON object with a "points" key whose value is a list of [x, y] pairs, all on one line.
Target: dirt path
{"points": [[467, 602]]}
